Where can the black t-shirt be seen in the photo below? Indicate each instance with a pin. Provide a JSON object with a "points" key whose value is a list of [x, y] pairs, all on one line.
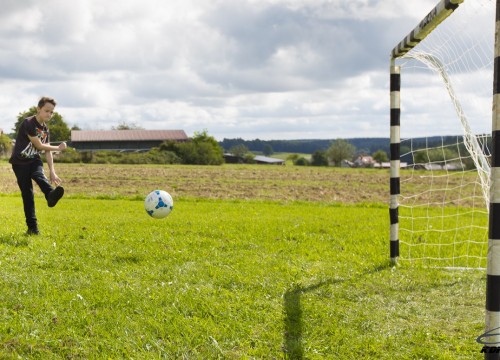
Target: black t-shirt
{"points": [[24, 152]]}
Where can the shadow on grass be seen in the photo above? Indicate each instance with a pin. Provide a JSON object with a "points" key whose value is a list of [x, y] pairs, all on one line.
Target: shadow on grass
{"points": [[14, 240], [293, 347]]}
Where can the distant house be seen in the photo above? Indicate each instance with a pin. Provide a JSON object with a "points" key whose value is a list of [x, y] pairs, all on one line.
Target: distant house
{"points": [[268, 160], [123, 140], [233, 159], [364, 161]]}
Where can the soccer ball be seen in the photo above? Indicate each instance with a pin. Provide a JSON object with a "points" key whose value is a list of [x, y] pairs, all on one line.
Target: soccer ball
{"points": [[158, 204]]}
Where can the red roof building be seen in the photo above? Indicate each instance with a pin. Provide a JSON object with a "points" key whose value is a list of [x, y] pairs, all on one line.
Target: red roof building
{"points": [[123, 140]]}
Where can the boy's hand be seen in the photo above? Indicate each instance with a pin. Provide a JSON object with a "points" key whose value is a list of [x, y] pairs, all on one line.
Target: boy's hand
{"points": [[55, 179], [62, 146]]}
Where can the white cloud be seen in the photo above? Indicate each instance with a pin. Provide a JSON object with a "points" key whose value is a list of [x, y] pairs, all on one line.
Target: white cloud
{"points": [[240, 68]]}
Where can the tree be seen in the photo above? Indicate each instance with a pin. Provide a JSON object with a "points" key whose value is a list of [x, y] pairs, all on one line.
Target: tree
{"points": [[340, 150], [201, 150], [267, 150], [59, 130], [239, 150], [293, 157], [319, 158], [249, 158], [301, 161], [380, 156], [126, 126], [5, 144], [207, 150], [424, 156], [20, 118]]}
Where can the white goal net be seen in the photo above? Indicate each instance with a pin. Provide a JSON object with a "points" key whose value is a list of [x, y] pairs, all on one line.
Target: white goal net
{"points": [[446, 99]]}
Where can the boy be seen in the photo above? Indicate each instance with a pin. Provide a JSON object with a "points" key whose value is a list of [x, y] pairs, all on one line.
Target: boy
{"points": [[33, 139]]}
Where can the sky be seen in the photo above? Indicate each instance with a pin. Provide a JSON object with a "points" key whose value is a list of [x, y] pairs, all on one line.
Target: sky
{"points": [[251, 69]]}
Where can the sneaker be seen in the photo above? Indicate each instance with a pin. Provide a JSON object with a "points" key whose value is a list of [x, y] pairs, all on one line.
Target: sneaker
{"points": [[54, 196], [33, 231]]}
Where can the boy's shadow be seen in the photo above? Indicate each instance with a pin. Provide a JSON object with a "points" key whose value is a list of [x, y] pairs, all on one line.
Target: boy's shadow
{"points": [[293, 347]]}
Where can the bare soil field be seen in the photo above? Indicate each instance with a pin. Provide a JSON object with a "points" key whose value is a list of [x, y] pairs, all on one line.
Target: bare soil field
{"points": [[263, 182]]}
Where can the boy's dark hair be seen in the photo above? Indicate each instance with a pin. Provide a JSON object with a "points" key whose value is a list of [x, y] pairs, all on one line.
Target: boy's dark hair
{"points": [[44, 100]]}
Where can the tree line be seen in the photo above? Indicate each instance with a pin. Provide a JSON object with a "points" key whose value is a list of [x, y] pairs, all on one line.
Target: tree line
{"points": [[307, 146], [204, 149]]}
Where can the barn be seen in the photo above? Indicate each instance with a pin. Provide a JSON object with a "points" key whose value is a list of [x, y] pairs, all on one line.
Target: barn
{"points": [[268, 160], [123, 140], [258, 159]]}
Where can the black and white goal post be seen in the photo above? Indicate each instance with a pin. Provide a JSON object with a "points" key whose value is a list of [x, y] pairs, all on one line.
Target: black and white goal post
{"points": [[440, 12], [395, 86], [492, 328]]}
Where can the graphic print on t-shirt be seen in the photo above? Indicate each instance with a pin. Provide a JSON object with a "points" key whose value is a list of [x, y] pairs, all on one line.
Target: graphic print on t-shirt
{"points": [[30, 151]]}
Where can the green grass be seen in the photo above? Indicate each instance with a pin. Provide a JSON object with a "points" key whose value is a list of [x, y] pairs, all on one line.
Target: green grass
{"points": [[444, 236], [224, 279]]}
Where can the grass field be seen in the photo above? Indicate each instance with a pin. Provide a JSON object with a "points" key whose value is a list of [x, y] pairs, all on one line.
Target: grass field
{"points": [[255, 262]]}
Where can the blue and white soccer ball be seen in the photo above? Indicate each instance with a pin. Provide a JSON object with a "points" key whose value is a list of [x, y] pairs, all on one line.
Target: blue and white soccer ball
{"points": [[158, 204]]}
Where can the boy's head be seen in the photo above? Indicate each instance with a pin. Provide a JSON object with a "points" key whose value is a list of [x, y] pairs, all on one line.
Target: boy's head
{"points": [[44, 100], [45, 109]]}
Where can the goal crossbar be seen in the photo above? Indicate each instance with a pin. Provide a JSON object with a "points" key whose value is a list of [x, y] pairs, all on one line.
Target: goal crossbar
{"points": [[437, 15]]}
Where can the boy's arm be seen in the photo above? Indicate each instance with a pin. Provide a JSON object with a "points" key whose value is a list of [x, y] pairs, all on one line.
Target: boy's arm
{"points": [[35, 140], [50, 163], [48, 154]]}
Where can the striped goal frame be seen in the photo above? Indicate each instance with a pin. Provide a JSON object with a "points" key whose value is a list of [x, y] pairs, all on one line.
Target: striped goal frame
{"points": [[491, 338]]}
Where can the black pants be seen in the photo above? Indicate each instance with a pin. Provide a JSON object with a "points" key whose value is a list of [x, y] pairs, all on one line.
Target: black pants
{"points": [[24, 174]]}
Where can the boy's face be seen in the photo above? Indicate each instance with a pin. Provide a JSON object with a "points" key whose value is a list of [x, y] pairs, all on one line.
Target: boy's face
{"points": [[45, 112]]}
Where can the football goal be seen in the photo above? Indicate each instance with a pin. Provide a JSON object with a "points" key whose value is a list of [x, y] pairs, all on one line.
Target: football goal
{"points": [[445, 138], [441, 86]]}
